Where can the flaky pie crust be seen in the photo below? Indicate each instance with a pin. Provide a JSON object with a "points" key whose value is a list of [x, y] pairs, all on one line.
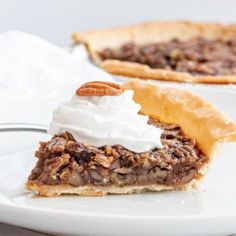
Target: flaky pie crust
{"points": [[154, 32], [197, 118]]}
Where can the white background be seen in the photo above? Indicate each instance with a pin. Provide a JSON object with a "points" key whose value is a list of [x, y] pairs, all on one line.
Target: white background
{"points": [[56, 19]]}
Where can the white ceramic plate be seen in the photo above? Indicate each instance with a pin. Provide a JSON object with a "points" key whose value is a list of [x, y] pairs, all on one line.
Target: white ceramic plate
{"points": [[210, 210]]}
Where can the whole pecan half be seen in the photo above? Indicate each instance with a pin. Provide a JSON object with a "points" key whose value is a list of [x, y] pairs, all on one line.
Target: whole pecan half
{"points": [[99, 88]]}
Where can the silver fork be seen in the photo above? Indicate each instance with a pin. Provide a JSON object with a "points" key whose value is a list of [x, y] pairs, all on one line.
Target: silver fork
{"points": [[19, 127]]}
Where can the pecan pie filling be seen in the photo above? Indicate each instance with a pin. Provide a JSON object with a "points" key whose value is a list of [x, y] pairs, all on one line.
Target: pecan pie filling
{"points": [[65, 161], [197, 56]]}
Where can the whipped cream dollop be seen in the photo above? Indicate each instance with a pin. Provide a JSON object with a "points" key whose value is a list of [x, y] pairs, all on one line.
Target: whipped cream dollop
{"points": [[106, 120], [27, 61]]}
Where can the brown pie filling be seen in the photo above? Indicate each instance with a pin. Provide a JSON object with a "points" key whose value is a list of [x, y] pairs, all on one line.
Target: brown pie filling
{"points": [[65, 161], [197, 56]]}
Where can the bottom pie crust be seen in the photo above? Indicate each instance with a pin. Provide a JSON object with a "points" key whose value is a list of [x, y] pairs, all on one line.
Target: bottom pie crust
{"points": [[57, 190]]}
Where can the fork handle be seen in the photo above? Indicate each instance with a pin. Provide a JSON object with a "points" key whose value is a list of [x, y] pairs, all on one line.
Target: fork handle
{"points": [[23, 127]]}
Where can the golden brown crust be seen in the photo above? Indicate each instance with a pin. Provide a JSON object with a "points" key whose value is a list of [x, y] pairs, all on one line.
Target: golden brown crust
{"points": [[198, 119], [154, 32], [57, 190], [136, 70]]}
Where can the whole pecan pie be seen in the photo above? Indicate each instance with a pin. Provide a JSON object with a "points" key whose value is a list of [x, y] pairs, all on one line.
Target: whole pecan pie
{"points": [[173, 51], [101, 145]]}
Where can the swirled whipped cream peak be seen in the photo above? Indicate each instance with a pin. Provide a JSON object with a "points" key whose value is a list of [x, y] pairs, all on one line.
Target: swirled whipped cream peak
{"points": [[102, 113]]}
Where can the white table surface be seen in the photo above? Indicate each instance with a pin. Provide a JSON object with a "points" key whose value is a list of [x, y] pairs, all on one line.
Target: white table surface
{"points": [[10, 230]]}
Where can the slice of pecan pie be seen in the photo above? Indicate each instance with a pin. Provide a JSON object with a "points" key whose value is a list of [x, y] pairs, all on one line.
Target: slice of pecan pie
{"points": [[101, 145], [172, 51]]}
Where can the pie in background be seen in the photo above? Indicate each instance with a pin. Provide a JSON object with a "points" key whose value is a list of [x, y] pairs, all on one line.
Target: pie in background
{"points": [[179, 51]]}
